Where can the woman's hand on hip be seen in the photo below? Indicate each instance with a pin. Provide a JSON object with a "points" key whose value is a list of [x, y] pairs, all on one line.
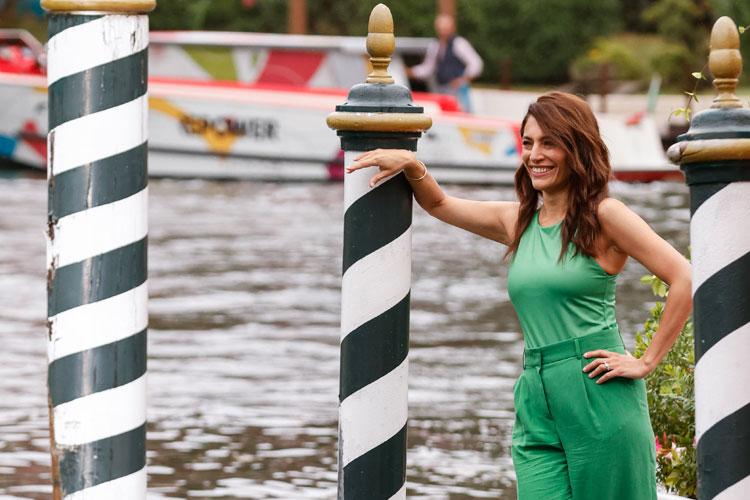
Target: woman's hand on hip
{"points": [[614, 364], [389, 161]]}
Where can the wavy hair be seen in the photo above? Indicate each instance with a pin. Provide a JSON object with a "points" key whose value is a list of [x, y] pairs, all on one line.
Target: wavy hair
{"points": [[569, 123]]}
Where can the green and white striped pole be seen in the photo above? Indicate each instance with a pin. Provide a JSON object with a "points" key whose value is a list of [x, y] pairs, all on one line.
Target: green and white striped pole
{"points": [[97, 239], [715, 155], [376, 280]]}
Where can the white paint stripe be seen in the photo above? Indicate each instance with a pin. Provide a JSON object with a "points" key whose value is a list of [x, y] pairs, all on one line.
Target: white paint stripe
{"points": [[376, 283], [100, 323], [722, 379], [400, 494], [95, 43], [738, 491], [100, 229], [98, 135], [100, 415], [130, 486], [357, 183], [714, 235], [373, 414]]}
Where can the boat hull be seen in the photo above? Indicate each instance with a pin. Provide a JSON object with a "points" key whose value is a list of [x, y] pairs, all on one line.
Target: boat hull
{"points": [[239, 131]]}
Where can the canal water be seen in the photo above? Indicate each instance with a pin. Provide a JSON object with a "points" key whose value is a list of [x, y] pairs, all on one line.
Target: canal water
{"points": [[243, 341]]}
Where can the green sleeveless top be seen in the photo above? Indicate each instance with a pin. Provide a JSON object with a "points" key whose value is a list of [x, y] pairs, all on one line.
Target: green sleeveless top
{"points": [[557, 301]]}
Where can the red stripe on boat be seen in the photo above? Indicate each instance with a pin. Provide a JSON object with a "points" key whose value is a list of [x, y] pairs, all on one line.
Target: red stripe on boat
{"points": [[291, 67]]}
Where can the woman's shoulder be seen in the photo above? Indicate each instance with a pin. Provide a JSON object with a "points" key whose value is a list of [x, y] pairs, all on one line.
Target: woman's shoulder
{"points": [[617, 220], [610, 210]]}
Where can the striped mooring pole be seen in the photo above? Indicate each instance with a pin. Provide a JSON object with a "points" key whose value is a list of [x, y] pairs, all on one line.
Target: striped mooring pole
{"points": [[376, 279], [715, 156], [96, 247]]}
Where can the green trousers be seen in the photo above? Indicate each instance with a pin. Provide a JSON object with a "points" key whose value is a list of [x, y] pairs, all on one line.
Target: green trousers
{"points": [[574, 439]]}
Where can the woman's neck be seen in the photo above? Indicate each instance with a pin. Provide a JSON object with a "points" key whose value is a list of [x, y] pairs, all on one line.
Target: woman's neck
{"points": [[555, 206]]}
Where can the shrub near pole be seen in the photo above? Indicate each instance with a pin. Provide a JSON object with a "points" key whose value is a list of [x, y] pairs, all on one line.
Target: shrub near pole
{"points": [[97, 239], [376, 280], [715, 155]]}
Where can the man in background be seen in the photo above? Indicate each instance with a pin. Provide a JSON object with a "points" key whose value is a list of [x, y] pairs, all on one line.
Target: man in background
{"points": [[450, 63]]}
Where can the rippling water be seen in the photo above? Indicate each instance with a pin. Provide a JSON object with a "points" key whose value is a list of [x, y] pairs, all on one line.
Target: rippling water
{"points": [[243, 341]]}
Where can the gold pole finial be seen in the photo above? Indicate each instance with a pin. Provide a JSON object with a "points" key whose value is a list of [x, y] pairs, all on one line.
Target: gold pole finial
{"points": [[380, 44], [113, 6], [725, 62]]}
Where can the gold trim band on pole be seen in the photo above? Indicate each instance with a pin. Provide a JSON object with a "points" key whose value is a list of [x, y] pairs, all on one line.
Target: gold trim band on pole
{"points": [[707, 150], [379, 122], [114, 6]]}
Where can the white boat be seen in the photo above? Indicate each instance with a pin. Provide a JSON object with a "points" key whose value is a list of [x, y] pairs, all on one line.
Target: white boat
{"points": [[253, 106]]}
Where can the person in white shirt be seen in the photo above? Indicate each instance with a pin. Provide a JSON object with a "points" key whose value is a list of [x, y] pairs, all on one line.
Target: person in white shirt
{"points": [[450, 63]]}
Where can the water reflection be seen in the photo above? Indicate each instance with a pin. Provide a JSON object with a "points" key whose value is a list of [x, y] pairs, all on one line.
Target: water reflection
{"points": [[243, 342]]}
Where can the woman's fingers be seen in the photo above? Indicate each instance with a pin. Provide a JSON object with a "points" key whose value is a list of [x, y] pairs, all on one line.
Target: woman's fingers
{"points": [[599, 353], [609, 375], [600, 368], [596, 354], [379, 177]]}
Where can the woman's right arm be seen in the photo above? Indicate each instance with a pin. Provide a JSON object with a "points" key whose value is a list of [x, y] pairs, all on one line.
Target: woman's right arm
{"points": [[494, 220]]}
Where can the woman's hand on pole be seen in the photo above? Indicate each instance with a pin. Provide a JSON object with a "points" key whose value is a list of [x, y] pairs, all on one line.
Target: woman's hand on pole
{"points": [[613, 364], [389, 162]]}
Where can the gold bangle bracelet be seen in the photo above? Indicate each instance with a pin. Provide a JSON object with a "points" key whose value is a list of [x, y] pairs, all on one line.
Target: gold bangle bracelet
{"points": [[418, 178]]}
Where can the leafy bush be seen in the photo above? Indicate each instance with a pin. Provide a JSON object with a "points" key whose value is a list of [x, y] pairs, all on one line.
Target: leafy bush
{"points": [[633, 57], [671, 401]]}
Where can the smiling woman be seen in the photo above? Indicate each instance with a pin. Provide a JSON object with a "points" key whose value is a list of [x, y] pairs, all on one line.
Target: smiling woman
{"points": [[582, 428]]}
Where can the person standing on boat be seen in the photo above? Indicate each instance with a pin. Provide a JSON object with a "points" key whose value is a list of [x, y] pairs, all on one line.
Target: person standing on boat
{"points": [[450, 64], [582, 429]]}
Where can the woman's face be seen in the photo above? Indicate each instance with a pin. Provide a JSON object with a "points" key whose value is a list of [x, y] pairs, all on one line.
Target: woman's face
{"points": [[545, 161]]}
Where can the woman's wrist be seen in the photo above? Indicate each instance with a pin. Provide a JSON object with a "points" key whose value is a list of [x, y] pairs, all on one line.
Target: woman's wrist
{"points": [[415, 171]]}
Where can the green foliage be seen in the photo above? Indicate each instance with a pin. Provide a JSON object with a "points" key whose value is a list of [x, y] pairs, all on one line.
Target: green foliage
{"points": [[499, 29], [540, 38], [671, 401], [632, 57]]}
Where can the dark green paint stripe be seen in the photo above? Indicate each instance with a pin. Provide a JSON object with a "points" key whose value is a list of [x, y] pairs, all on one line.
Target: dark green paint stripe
{"points": [[721, 304], [379, 473], [716, 172], [98, 369], [374, 349], [367, 141], [723, 456], [99, 182], [699, 193], [376, 219], [727, 134], [98, 277], [102, 461], [98, 88], [61, 22]]}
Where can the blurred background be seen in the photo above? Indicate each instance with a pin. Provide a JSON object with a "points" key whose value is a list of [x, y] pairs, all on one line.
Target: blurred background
{"points": [[244, 275]]}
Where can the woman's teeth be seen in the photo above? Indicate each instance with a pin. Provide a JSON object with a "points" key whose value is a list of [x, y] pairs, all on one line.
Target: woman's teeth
{"points": [[540, 170]]}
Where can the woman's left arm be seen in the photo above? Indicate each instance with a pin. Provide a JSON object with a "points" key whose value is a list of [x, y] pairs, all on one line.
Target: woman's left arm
{"points": [[631, 235]]}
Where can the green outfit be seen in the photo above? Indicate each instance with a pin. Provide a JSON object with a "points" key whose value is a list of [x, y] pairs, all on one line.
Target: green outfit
{"points": [[572, 438]]}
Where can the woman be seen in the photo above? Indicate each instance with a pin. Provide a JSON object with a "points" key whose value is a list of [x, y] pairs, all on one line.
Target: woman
{"points": [[582, 429]]}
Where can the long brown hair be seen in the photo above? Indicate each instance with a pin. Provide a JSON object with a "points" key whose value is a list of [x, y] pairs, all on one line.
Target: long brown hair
{"points": [[570, 123]]}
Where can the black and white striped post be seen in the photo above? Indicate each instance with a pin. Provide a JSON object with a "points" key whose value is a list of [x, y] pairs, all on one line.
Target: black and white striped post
{"points": [[97, 237], [715, 155], [376, 279]]}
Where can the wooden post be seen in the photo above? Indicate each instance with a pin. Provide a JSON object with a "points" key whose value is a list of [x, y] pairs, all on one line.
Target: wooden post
{"points": [[715, 155], [297, 17], [447, 7], [97, 234], [376, 282]]}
